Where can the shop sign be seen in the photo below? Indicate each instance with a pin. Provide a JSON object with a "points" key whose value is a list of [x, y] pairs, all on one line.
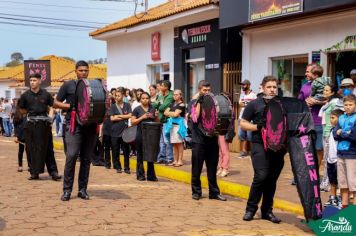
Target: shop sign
{"points": [[264, 9], [196, 34], [212, 66], [156, 46], [316, 57], [42, 67]]}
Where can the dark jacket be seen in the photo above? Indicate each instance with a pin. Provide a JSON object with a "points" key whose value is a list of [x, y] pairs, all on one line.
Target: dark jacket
{"points": [[19, 129]]}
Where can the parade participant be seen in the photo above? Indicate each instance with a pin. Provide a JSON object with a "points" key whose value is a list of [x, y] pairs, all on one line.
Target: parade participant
{"points": [[79, 143], [35, 102], [267, 164], [204, 149], [141, 114], [119, 113], [164, 101], [19, 124], [246, 96], [106, 133]]}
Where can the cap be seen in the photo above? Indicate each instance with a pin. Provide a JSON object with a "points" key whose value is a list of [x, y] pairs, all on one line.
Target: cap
{"points": [[246, 81], [346, 81], [353, 72]]}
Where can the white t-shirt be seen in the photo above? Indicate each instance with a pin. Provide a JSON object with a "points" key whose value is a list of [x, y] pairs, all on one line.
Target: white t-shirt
{"points": [[246, 98], [332, 155]]}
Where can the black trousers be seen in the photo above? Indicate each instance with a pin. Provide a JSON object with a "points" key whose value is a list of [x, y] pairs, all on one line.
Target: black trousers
{"points": [[51, 164], [81, 143], [140, 171], [267, 166], [107, 148], [116, 144], [20, 155], [208, 153]]}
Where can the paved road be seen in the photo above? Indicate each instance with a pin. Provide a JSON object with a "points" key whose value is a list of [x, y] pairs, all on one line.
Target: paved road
{"points": [[120, 205]]}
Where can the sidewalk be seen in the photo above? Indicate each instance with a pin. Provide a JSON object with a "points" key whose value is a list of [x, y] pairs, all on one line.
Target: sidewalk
{"points": [[237, 183]]}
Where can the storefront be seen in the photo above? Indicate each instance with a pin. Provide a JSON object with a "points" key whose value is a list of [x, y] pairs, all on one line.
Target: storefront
{"points": [[282, 39], [197, 56]]}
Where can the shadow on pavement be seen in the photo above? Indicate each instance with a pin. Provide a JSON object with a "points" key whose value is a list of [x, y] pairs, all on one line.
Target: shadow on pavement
{"points": [[109, 194], [2, 224], [293, 220]]}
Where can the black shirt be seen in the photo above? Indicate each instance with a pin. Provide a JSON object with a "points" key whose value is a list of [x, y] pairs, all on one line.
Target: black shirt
{"points": [[197, 134], [36, 104], [254, 112], [179, 106], [117, 127], [107, 126], [67, 93], [139, 111]]}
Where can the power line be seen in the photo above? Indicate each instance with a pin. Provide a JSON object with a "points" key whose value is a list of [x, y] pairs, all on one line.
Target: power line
{"points": [[62, 6], [50, 35], [48, 23], [57, 19], [42, 26]]}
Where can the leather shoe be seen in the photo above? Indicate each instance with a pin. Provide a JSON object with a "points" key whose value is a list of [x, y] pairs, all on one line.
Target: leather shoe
{"points": [[196, 196], [154, 179], [218, 197], [127, 172], [56, 176], [34, 177], [141, 178], [83, 194], [271, 217], [248, 216], [65, 196]]}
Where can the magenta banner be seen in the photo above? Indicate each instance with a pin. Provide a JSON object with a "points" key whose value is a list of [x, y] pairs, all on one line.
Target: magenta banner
{"points": [[42, 67], [264, 9]]}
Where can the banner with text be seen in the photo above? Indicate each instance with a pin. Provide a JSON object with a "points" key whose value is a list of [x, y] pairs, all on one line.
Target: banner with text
{"points": [[42, 67], [264, 9]]}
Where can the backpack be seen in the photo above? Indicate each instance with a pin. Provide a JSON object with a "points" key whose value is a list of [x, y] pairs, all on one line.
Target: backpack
{"points": [[274, 134]]}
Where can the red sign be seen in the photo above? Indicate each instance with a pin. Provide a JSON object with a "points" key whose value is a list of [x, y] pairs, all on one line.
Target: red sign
{"points": [[156, 46], [199, 30], [42, 67]]}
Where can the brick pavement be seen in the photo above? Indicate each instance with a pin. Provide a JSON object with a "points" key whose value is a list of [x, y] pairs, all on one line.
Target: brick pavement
{"points": [[120, 205]]}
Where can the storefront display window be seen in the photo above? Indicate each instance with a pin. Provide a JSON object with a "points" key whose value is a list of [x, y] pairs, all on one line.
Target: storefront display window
{"points": [[291, 72]]}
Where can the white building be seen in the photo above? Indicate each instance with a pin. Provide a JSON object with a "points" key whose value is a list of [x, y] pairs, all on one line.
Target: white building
{"points": [[141, 51]]}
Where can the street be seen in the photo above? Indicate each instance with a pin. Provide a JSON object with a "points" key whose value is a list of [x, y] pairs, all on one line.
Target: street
{"points": [[120, 205]]}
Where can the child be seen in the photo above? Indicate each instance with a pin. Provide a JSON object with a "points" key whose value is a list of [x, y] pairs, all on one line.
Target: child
{"points": [[332, 160], [345, 134], [318, 84], [19, 123]]}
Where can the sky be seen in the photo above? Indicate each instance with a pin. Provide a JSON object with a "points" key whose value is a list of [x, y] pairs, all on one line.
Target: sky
{"points": [[61, 40]]}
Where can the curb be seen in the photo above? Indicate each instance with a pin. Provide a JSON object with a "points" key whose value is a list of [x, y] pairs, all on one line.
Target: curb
{"points": [[226, 187]]}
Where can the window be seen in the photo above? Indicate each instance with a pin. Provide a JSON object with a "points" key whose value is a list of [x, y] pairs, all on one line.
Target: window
{"points": [[291, 74], [158, 72], [195, 62], [7, 94]]}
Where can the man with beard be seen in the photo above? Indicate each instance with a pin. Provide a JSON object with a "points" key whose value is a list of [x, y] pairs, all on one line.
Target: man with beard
{"points": [[246, 96], [267, 163]]}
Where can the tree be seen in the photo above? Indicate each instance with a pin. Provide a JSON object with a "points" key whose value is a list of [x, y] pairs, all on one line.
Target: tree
{"points": [[69, 58], [17, 56]]}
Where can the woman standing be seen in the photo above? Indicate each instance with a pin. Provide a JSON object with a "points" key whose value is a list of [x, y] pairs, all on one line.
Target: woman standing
{"points": [[142, 114], [153, 92], [176, 112], [19, 123], [334, 101]]}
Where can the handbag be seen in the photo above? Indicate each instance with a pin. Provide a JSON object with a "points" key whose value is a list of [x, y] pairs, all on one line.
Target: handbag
{"points": [[129, 134]]}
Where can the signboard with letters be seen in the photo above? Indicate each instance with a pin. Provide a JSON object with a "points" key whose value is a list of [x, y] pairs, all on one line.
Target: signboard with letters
{"points": [[196, 34], [264, 9], [156, 46], [42, 67]]}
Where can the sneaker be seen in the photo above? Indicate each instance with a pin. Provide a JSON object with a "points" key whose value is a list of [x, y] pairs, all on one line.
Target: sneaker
{"points": [[325, 188], [224, 173], [219, 171], [243, 154], [333, 201]]}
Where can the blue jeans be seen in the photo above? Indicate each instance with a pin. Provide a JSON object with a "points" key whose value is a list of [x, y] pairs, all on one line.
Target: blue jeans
{"points": [[244, 135], [7, 126], [165, 148]]}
